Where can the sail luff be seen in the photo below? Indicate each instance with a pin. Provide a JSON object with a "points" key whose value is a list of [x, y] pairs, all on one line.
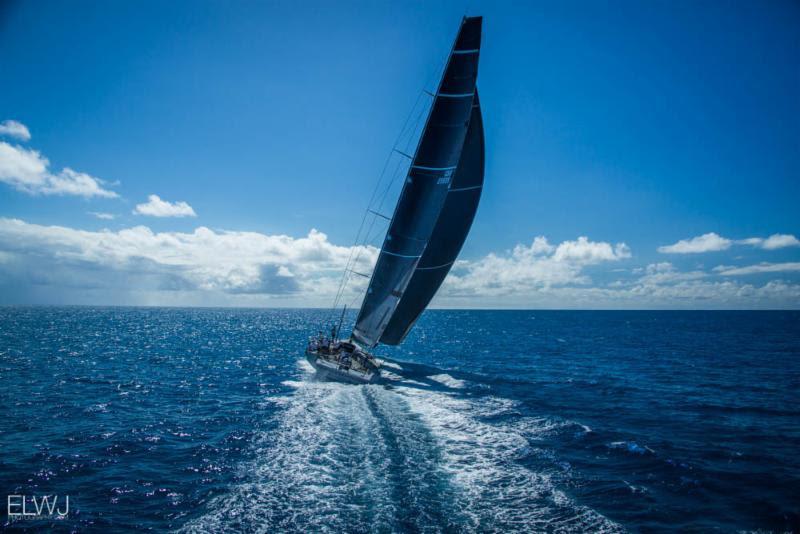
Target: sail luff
{"points": [[426, 187]]}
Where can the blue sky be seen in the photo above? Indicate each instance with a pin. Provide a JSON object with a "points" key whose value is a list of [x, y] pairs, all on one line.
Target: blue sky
{"points": [[633, 124]]}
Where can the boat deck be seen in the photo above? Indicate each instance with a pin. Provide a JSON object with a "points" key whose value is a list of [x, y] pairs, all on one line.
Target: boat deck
{"points": [[335, 361]]}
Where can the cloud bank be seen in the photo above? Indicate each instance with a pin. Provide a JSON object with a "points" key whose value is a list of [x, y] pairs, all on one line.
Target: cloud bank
{"points": [[58, 264], [204, 260]]}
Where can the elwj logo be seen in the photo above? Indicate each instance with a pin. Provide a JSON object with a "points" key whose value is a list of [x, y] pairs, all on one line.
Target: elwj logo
{"points": [[37, 507]]}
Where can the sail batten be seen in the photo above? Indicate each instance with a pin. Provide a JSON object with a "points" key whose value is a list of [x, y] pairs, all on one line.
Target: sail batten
{"points": [[425, 195]]}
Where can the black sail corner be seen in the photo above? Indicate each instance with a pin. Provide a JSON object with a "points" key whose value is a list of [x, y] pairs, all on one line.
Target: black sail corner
{"points": [[426, 220]]}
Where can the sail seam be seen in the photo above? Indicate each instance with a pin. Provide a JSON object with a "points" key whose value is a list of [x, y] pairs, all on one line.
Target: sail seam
{"points": [[436, 267], [456, 95], [467, 51], [399, 255], [466, 188], [420, 167]]}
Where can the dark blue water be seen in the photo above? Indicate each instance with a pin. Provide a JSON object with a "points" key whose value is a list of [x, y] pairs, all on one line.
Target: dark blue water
{"points": [[208, 419]]}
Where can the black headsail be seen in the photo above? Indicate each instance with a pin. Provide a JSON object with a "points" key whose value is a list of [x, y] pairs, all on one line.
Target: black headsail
{"points": [[425, 194]]}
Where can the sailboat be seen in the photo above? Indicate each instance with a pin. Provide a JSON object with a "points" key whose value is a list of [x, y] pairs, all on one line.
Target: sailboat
{"points": [[431, 220]]}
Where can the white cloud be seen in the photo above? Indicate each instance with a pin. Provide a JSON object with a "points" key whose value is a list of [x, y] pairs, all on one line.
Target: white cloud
{"points": [[764, 267], [711, 294], [712, 242], [11, 128], [28, 171], [666, 273], [776, 241], [541, 246], [102, 215], [752, 241], [528, 268], [156, 207], [225, 262], [664, 286], [658, 286], [773, 242], [56, 264], [709, 242], [586, 252]]}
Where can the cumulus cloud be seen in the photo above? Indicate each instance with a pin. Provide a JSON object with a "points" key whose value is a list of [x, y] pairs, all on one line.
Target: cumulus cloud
{"points": [[214, 267], [657, 286], [28, 171], [712, 294], [712, 242], [155, 207], [763, 267], [206, 260], [776, 241], [662, 285], [103, 215], [527, 268], [709, 242], [586, 252], [524, 279], [11, 128], [773, 242]]}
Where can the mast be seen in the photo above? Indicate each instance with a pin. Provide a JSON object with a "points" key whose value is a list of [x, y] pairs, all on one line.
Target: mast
{"points": [[339, 327], [425, 191]]}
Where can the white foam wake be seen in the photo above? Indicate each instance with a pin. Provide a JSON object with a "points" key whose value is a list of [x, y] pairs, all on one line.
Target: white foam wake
{"points": [[320, 469], [368, 458], [496, 492], [448, 381]]}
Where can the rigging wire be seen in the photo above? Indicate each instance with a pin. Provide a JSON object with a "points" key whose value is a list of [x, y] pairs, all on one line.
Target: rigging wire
{"points": [[376, 210], [401, 170], [368, 237], [348, 265]]}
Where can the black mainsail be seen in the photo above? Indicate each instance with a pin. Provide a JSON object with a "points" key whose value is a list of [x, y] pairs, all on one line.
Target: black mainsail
{"points": [[437, 203], [448, 236]]}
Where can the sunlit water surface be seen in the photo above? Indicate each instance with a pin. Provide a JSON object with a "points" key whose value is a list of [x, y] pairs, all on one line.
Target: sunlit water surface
{"points": [[209, 419]]}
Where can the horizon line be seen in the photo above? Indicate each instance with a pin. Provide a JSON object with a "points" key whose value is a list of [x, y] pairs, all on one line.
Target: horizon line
{"points": [[210, 307]]}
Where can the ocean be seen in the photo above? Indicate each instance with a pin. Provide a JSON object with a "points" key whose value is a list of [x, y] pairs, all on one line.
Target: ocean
{"points": [[201, 420]]}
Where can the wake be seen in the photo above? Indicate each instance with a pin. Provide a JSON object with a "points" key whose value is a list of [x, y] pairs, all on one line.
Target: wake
{"points": [[407, 455]]}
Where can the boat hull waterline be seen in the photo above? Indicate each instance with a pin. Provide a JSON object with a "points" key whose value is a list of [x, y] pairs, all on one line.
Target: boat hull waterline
{"points": [[337, 363]]}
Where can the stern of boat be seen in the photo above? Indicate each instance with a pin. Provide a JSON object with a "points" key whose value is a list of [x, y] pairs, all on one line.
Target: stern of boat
{"points": [[343, 362]]}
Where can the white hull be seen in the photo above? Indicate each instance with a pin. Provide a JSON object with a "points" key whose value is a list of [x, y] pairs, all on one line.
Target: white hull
{"points": [[331, 371], [355, 367]]}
